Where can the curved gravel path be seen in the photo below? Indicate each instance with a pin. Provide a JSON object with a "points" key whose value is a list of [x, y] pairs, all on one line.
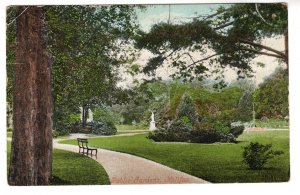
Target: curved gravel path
{"points": [[124, 168]]}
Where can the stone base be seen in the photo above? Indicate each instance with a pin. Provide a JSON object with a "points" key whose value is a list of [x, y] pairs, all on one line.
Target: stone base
{"points": [[152, 126]]}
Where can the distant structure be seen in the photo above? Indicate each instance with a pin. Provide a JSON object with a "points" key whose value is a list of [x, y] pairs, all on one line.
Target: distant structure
{"points": [[152, 123], [90, 115]]}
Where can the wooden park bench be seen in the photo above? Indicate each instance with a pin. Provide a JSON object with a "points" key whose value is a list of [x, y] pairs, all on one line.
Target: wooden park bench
{"points": [[83, 145]]}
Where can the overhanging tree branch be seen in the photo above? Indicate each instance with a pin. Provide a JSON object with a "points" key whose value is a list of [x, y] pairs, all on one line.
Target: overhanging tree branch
{"points": [[264, 47], [263, 53], [223, 25], [203, 59]]}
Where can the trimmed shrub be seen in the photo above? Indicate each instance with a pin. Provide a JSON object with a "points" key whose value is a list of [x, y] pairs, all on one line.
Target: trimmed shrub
{"points": [[256, 155], [177, 132], [61, 132], [186, 109], [66, 123], [227, 138], [204, 136], [216, 131], [76, 127], [103, 128], [237, 128], [158, 135], [221, 127], [205, 132]]}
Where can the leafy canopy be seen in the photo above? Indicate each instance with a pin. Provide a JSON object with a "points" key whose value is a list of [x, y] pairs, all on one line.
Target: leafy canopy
{"points": [[231, 37]]}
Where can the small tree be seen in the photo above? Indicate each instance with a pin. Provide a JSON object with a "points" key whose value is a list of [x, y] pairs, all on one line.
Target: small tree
{"points": [[186, 110], [256, 155]]}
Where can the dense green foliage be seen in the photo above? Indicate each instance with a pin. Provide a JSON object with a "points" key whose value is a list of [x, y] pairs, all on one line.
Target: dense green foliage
{"points": [[256, 155], [73, 169], [105, 114], [87, 44], [217, 163], [164, 99], [208, 103], [232, 37], [186, 111], [187, 128], [271, 98], [146, 97], [104, 128]]}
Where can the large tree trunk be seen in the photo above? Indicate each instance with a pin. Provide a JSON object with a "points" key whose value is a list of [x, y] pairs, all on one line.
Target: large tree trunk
{"points": [[31, 156], [286, 45]]}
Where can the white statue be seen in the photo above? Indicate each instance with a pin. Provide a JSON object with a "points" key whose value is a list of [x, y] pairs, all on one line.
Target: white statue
{"points": [[152, 117], [152, 123]]}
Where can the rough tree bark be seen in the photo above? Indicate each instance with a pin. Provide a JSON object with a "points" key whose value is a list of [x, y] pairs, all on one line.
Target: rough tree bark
{"points": [[31, 156]]}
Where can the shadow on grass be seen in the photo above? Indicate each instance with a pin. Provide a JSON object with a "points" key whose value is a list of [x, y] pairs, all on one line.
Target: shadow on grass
{"points": [[58, 181], [264, 169]]}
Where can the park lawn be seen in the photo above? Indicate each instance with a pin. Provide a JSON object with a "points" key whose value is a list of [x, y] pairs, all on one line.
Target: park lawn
{"points": [[118, 133], [272, 123], [217, 163], [73, 169], [132, 127]]}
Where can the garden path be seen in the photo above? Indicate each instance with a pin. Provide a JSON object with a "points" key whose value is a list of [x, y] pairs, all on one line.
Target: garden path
{"points": [[129, 169]]}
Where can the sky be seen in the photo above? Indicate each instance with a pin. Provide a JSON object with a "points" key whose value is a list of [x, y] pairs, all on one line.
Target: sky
{"points": [[180, 13]]}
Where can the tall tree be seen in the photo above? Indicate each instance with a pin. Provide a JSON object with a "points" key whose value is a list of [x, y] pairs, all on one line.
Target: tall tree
{"points": [[87, 44], [31, 156], [271, 98], [231, 37]]}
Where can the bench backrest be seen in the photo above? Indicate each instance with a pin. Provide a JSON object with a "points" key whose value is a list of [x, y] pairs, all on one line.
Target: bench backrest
{"points": [[82, 142]]}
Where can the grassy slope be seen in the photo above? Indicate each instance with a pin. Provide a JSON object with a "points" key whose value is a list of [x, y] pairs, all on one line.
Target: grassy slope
{"points": [[74, 169], [131, 127], [203, 98], [215, 162]]}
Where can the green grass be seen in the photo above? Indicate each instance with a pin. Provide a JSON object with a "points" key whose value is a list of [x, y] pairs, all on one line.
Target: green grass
{"points": [[132, 127], [217, 163], [118, 133], [73, 169], [272, 123]]}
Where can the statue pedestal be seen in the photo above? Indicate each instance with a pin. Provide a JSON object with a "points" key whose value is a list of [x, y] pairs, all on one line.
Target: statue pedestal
{"points": [[152, 126]]}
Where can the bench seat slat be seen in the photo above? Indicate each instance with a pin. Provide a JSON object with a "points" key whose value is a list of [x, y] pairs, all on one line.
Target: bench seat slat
{"points": [[83, 144]]}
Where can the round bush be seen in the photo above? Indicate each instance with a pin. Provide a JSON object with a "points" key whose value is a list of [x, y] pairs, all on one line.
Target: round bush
{"points": [[186, 109], [204, 136], [227, 138], [177, 132], [256, 155], [158, 135], [103, 128], [237, 128], [76, 127]]}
